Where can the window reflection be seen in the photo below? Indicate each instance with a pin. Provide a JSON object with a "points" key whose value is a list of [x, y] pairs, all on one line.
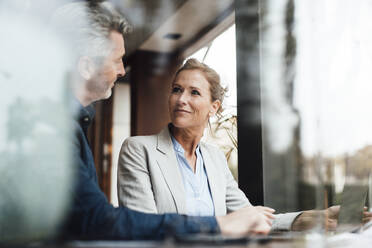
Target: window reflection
{"points": [[34, 126], [316, 60]]}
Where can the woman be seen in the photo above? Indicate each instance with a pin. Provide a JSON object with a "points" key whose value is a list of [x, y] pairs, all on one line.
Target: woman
{"points": [[173, 171]]}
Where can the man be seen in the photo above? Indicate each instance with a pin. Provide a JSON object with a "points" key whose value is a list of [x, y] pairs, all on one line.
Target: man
{"points": [[96, 34]]}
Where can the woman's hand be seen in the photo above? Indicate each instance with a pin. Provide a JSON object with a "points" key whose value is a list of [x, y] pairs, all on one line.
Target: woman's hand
{"points": [[308, 219], [328, 217], [333, 212], [268, 212], [367, 216]]}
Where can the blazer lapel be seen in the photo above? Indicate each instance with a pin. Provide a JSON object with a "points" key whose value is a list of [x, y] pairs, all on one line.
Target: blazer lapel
{"points": [[168, 164], [214, 179]]}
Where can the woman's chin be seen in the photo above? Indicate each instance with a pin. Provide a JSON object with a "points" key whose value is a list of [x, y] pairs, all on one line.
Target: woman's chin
{"points": [[181, 123]]}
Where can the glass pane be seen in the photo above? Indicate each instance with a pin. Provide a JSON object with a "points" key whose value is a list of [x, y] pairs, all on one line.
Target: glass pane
{"points": [[35, 172], [316, 60]]}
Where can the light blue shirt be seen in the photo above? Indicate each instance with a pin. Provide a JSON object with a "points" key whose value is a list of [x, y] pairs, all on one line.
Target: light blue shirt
{"points": [[199, 200]]}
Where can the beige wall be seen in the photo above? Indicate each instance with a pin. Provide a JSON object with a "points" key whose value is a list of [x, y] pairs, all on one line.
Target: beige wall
{"points": [[121, 130]]}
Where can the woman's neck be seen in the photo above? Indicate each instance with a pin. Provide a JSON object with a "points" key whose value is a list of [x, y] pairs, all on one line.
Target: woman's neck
{"points": [[188, 138]]}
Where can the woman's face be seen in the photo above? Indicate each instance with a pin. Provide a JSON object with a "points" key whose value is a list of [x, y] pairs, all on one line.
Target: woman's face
{"points": [[190, 102]]}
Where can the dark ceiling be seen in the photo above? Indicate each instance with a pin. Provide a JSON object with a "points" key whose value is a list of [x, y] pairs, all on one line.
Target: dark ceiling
{"points": [[152, 20], [146, 16]]}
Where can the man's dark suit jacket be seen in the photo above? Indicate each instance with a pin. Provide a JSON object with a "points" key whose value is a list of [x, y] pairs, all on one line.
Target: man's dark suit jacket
{"points": [[91, 216]]}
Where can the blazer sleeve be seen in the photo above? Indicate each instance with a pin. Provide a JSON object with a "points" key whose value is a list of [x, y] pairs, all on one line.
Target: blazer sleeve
{"points": [[134, 183], [90, 216], [235, 198]]}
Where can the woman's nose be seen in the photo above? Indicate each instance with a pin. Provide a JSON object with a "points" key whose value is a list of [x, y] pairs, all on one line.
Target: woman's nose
{"points": [[182, 98]]}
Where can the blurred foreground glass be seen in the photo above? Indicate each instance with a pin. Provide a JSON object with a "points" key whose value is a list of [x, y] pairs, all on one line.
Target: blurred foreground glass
{"points": [[316, 82], [35, 130]]}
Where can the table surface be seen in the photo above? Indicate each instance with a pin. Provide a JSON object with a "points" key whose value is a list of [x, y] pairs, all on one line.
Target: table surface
{"points": [[345, 240], [314, 240]]}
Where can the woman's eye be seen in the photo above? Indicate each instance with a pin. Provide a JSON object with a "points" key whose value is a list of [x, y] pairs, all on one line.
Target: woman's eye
{"points": [[195, 92], [176, 89]]}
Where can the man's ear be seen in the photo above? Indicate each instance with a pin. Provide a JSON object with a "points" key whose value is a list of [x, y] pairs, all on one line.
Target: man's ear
{"points": [[86, 67]]}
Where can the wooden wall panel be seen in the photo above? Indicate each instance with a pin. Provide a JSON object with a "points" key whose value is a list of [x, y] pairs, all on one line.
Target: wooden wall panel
{"points": [[150, 78]]}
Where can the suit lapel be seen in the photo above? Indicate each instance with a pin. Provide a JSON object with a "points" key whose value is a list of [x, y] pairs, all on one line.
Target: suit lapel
{"points": [[168, 164], [213, 179]]}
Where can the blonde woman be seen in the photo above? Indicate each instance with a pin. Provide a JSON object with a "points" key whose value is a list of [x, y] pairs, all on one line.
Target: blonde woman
{"points": [[173, 171]]}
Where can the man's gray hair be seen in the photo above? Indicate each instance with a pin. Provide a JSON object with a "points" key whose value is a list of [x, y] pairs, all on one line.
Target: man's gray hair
{"points": [[87, 26]]}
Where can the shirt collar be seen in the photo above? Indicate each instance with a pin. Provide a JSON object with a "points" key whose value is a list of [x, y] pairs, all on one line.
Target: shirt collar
{"points": [[177, 146], [84, 115]]}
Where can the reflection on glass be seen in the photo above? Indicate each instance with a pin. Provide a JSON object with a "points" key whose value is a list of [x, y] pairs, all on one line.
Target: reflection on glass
{"points": [[316, 86], [34, 127]]}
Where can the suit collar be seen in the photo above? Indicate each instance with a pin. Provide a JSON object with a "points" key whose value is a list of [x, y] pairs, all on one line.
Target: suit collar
{"points": [[168, 164], [164, 141]]}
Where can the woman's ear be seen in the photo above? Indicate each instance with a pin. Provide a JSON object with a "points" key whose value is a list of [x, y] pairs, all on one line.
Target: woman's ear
{"points": [[86, 67], [215, 107]]}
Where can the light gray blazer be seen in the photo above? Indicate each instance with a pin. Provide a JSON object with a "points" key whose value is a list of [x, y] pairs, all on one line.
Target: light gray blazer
{"points": [[149, 179]]}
